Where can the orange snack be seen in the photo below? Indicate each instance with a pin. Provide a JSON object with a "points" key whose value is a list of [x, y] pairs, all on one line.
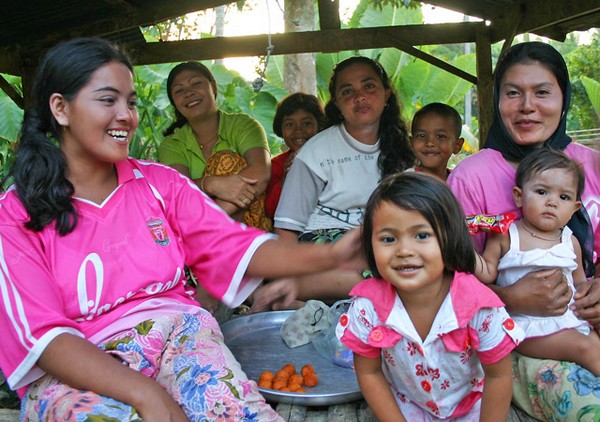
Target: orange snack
{"points": [[311, 380], [265, 384], [267, 376], [307, 369], [287, 380], [291, 369], [282, 374], [294, 386], [279, 384], [296, 379]]}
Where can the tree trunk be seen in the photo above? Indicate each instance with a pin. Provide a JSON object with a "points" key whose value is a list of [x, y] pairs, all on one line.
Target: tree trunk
{"points": [[300, 73], [220, 25]]}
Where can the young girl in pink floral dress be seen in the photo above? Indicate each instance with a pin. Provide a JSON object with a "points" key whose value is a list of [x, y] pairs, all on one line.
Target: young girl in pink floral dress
{"points": [[430, 341]]}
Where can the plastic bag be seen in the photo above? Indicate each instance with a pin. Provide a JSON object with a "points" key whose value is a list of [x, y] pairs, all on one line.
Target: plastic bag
{"points": [[327, 343], [307, 321]]}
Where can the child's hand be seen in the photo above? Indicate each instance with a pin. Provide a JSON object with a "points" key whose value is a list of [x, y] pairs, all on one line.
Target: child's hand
{"points": [[278, 294]]}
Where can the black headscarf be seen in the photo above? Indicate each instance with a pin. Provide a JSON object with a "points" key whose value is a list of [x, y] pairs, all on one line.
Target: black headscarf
{"points": [[500, 140]]}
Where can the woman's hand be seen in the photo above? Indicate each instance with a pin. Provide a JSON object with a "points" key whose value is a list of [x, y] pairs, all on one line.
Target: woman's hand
{"points": [[540, 293], [278, 294], [82, 365], [158, 406], [349, 251], [587, 302], [233, 188]]}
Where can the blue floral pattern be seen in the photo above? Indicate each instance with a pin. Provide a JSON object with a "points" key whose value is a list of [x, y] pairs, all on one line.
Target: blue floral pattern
{"points": [[555, 391]]}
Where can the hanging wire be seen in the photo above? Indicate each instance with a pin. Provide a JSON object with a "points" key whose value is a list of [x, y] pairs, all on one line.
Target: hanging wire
{"points": [[258, 83]]}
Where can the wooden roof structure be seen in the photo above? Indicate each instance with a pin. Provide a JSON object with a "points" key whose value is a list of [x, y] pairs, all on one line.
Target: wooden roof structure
{"points": [[30, 27]]}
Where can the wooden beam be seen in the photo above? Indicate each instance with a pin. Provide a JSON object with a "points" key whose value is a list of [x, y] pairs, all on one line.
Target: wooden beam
{"points": [[123, 19], [436, 62], [485, 83], [543, 15], [12, 92], [305, 42], [329, 14]]}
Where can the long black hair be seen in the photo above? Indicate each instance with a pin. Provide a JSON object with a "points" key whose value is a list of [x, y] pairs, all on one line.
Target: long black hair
{"points": [[199, 68], [434, 200], [39, 168], [396, 154]]}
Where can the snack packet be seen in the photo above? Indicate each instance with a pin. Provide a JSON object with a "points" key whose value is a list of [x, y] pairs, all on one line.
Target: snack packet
{"points": [[490, 223]]}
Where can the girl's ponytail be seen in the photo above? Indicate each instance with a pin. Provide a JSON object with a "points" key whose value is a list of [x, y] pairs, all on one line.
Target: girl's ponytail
{"points": [[39, 178]]}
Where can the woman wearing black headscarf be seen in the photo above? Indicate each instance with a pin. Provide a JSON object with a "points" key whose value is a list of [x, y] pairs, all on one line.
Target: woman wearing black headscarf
{"points": [[532, 94]]}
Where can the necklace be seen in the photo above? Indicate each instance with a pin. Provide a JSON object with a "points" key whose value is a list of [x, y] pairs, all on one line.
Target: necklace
{"points": [[210, 141], [528, 230]]}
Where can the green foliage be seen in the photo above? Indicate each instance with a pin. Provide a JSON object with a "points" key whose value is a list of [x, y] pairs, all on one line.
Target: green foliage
{"points": [[592, 88], [380, 4], [583, 62], [10, 124]]}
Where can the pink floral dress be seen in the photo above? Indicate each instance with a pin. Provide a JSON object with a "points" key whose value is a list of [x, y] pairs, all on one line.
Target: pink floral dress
{"points": [[440, 377]]}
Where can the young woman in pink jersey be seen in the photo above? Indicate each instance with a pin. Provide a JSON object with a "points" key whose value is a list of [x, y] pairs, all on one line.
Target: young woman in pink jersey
{"points": [[95, 313]]}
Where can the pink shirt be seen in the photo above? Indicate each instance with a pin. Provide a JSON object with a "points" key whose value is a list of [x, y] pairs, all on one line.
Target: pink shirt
{"points": [[441, 374], [483, 184], [123, 264]]}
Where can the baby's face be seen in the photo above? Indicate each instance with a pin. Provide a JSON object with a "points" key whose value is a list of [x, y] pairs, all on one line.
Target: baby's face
{"points": [[434, 140], [548, 199]]}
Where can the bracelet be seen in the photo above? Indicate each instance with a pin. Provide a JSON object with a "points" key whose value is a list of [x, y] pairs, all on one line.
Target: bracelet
{"points": [[202, 184]]}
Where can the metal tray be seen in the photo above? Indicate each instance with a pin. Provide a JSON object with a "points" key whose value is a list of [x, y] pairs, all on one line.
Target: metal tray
{"points": [[257, 344]]}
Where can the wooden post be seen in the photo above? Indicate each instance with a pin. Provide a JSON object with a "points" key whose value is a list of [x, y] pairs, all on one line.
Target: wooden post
{"points": [[485, 83]]}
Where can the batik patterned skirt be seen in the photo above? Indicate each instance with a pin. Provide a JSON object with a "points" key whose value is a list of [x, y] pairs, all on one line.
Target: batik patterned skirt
{"points": [[184, 353]]}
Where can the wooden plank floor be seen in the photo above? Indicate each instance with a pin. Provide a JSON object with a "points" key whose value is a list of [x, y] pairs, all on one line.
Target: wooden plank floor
{"points": [[355, 412], [348, 412]]}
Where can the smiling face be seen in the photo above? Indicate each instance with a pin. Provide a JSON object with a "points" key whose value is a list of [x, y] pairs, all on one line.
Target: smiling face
{"points": [[548, 199], [360, 96], [530, 103], [406, 250], [297, 128], [434, 141], [193, 95], [99, 122]]}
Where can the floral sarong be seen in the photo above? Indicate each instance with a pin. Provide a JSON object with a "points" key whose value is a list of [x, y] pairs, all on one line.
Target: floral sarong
{"points": [[551, 390], [184, 353]]}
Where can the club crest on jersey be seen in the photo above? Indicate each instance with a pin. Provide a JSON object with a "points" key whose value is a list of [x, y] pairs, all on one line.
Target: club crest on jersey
{"points": [[158, 231]]}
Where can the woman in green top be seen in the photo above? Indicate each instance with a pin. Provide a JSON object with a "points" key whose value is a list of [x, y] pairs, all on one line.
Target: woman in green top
{"points": [[227, 155]]}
